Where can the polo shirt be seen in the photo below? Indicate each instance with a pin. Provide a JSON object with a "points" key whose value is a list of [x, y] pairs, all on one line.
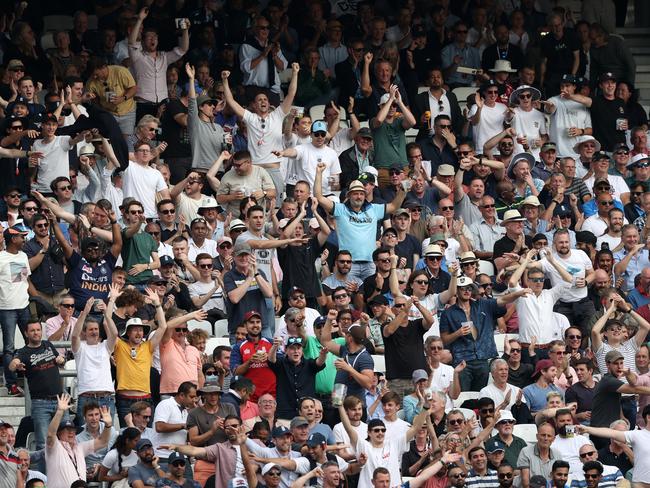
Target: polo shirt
{"points": [[506, 244], [483, 314], [360, 361], [611, 476], [356, 229], [9, 464], [529, 458], [474, 480], [621, 461], [294, 381], [170, 412], [178, 364], [48, 276], [513, 449], [325, 377], [635, 265]]}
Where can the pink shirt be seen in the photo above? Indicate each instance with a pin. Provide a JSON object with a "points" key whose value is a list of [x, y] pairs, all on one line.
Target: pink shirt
{"points": [[53, 324], [642, 380], [178, 364], [70, 462]]}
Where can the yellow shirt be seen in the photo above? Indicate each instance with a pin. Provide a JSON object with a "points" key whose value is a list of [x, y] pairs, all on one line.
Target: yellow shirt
{"points": [[133, 373], [119, 80]]}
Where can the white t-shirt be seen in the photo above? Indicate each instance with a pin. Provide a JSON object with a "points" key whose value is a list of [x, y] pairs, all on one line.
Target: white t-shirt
{"points": [[397, 428], [342, 437], [530, 124], [264, 135], [54, 162], [189, 207], [595, 224], [14, 271], [93, 367], [143, 183], [216, 300], [441, 379], [617, 183], [388, 456], [342, 140], [263, 257], [612, 241], [169, 411], [490, 124], [498, 395], [307, 159], [640, 441], [209, 246], [569, 447], [576, 264], [432, 303], [110, 461], [568, 113]]}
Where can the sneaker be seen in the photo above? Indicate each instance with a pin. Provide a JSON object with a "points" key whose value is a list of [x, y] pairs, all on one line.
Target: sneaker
{"points": [[13, 390]]}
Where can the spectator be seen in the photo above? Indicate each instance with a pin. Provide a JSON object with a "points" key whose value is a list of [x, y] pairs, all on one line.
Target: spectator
{"points": [[538, 459], [147, 470], [150, 65], [609, 54], [139, 251], [608, 114], [170, 419], [459, 54], [121, 457], [142, 182], [582, 391], [528, 122], [560, 51]]}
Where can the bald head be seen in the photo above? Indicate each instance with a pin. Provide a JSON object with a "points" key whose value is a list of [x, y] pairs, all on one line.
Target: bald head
{"points": [[601, 279]]}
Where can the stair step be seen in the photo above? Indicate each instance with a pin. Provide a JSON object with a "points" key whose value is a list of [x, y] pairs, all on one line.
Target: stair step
{"points": [[633, 31]]}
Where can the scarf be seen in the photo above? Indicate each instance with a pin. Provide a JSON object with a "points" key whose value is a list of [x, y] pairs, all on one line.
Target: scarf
{"points": [[253, 42]]}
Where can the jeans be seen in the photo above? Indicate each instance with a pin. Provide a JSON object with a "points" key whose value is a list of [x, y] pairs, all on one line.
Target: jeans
{"points": [[278, 181], [268, 325], [578, 313], [362, 269], [106, 401], [629, 407], [475, 375], [42, 412], [123, 405], [126, 122], [8, 321]]}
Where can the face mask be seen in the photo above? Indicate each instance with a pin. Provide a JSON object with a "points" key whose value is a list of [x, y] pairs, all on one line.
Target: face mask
{"points": [[211, 378]]}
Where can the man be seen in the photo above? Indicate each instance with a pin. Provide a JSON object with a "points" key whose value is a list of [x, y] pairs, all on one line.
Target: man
{"points": [[519, 372], [507, 249], [617, 454], [388, 130], [152, 89], [608, 113], [241, 389], [14, 298], [263, 125], [598, 222], [355, 366], [547, 165], [582, 392], [468, 203], [560, 51], [560, 473], [506, 475], [250, 358], [199, 242], [570, 118], [611, 475], [487, 230], [479, 472], [632, 259], [356, 221], [512, 444], [538, 459], [599, 170], [528, 122], [92, 429], [459, 53], [134, 357], [354, 410], [11, 463], [188, 196], [147, 471], [436, 100], [537, 307], [472, 340], [143, 182], [567, 443], [544, 377], [612, 237], [355, 160], [139, 249], [177, 476], [441, 148], [247, 289], [500, 391], [378, 283], [607, 395], [486, 116], [170, 420], [62, 449]]}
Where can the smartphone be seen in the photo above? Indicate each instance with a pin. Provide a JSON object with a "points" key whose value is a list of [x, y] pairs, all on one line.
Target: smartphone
{"points": [[182, 23], [466, 71]]}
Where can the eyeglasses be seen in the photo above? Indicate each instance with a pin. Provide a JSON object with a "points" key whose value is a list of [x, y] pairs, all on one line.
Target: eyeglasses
{"points": [[459, 475], [181, 329], [586, 454], [378, 430], [389, 235], [340, 297], [525, 96], [63, 188], [344, 261], [505, 476], [492, 205], [42, 226], [395, 172], [14, 195], [574, 337], [464, 153], [450, 207], [487, 410], [622, 152], [143, 150], [436, 348], [168, 211], [421, 282], [320, 133], [210, 372], [444, 126], [31, 209], [178, 464], [153, 233], [434, 258], [591, 476], [66, 305], [205, 266], [609, 203], [456, 421]]}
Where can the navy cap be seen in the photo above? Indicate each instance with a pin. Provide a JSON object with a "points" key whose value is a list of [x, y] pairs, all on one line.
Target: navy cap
{"points": [[66, 424], [569, 78], [561, 211], [142, 443], [378, 300], [319, 322], [280, 431], [175, 457], [493, 445], [367, 178], [166, 261], [316, 439]]}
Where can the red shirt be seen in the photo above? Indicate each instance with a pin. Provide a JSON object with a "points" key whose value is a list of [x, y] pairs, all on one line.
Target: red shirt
{"points": [[259, 373]]}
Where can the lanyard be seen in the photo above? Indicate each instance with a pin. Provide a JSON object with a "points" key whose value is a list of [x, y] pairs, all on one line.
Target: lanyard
{"points": [[347, 357], [73, 458]]}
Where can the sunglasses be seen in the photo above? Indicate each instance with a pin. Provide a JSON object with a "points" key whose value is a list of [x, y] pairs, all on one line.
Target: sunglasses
{"points": [[168, 211], [298, 297], [622, 152], [399, 305], [456, 421], [153, 233], [344, 261], [447, 208], [459, 475], [434, 258], [591, 476], [641, 165], [42, 226], [178, 464], [340, 297], [320, 133], [488, 206], [609, 203], [421, 282], [634, 193], [525, 96], [537, 280], [273, 473], [136, 212], [181, 329], [485, 285], [225, 245], [516, 351], [574, 337], [394, 172], [63, 188], [66, 305], [14, 195], [487, 410], [585, 454], [205, 266], [436, 348], [378, 430], [16, 127], [505, 476]]}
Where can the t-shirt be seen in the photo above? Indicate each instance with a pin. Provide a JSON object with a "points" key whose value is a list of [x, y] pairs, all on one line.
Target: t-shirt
{"points": [[309, 157], [175, 135], [490, 124], [86, 281], [576, 265], [169, 411], [202, 420], [199, 288], [14, 272], [407, 248], [640, 441], [133, 372], [404, 350], [559, 53], [143, 473], [604, 114], [258, 179], [264, 135], [389, 144], [54, 162], [93, 367], [110, 461], [143, 183], [137, 249], [388, 456], [360, 361], [606, 402], [206, 137], [530, 124], [41, 369], [253, 299], [536, 396], [263, 257], [356, 229], [568, 113], [259, 373]]}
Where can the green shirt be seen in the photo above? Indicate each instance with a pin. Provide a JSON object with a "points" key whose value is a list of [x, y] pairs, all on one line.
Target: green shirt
{"points": [[389, 143], [325, 377], [137, 250]]}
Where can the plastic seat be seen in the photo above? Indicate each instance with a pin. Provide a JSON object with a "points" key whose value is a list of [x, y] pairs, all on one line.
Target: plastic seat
{"points": [[411, 134], [221, 328], [47, 41], [213, 342], [57, 22], [465, 395], [380, 362], [203, 325], [285, 75], [499, 338], [317, 112], [70, 383], [486, 267], [462, 92], [527, 432], [468, 413]]}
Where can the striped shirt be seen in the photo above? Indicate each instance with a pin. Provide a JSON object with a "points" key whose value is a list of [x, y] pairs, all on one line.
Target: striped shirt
{"points": [[474, 480], [611, 475], [628, 349], [8, 469]]}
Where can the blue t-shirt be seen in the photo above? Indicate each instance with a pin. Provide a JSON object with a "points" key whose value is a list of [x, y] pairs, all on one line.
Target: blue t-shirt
{"points": [[357, 231], [536, 396], [360, 361], [86, 281]]}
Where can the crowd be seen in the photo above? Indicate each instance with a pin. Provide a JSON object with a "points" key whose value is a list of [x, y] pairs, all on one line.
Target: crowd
{"points": [[331, 244]]}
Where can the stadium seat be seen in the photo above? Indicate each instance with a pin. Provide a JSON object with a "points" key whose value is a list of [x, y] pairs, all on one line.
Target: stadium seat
{"points": [[213, 342], [499, 338], [317, 112], [422, 89], [57, 22], [465, 395], [411, 134], [462, 92], [486, 267], [69, 382], [468, 413], [285, 75], [47, 41], [203, 325], [527, 432], [221, 328], [380, 362]]}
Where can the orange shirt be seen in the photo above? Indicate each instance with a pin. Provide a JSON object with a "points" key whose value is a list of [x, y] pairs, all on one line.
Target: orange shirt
{"points": [[178, 364]]}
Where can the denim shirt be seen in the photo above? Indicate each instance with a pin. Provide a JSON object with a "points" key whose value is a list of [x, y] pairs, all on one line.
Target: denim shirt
{"points": [[484, 314]]}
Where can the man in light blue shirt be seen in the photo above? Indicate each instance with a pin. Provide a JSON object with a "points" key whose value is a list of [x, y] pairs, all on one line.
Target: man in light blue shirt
{"points": [[458, 54], [634, 256]]}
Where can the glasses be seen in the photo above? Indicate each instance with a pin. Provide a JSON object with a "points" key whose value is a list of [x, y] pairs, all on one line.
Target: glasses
{"points": [[66, 305], [399, 305], [492, 92], [516, 351], [225, 245], [641, 165], [574, 336], [298, 297], [205, 266], [143, 150], [320, 133], [416, 209], [537, 280], [507, 422], [16, 127], [344, 261], [168, 211], [395, 172], [181, 329], [622, 152], [263, 27], [591, 476], [485, 285], [436, 348], [178, 464], [467, 264], [340, 297], [153, 233], [459, 475], [14, 195], [456, 421], [461, 31], [42, 226], [389, 235], [136, 212], [384, 260], [505, 476], [450, 207], [434, 258], [63, 188], [525, 96], [378, 430], [637, 193], [488, 206], [464, 153], [487, 410], [609, 203], [586, 454], [559, 353], [273, 473], [210, 372], [444, 126], [31, 209], [421, 282]]}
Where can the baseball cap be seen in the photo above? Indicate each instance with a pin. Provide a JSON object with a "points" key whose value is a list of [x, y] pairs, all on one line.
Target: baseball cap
{"points": [[295, 289], [541, 365], [316, 439], [223, 239], [166, 261], [294, 341], [367, 178], [547, 146], [569, 78], [298, 422], [319, 321], [401, 211], [142, 443], [281, 430], [598, 156], [493, 445], [242, 248], [319, 125], [365, 132], [378, 300], [13, 64], [613, 355], [175, 457], [561, 211], [204, 98], [607, 76], [268, 466], [66, 424], [419, 375], [250, 314], [16, 230]]}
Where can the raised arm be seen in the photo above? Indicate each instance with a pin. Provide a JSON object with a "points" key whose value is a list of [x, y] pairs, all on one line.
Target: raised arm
{"points": [[116, 246], [516, 276], [230, 100], [211, 175], [63, 242], [596, 339], [133, 36], [347, 425], [191, 88], [418, 421], [160, 318], [385, 108], [326, 334], [109, 325], [293, 87], [78, 326], [450, 292], [326, 203]]}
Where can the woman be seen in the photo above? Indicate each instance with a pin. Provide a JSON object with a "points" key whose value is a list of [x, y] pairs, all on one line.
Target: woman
{"points": [[313, 86], [122, 456], [518, 35], [636, 116], [198, 338], [421, 451]]}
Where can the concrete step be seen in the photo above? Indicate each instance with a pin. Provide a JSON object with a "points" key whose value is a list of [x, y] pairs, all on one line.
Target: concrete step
{"points": [[633, 31]]}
